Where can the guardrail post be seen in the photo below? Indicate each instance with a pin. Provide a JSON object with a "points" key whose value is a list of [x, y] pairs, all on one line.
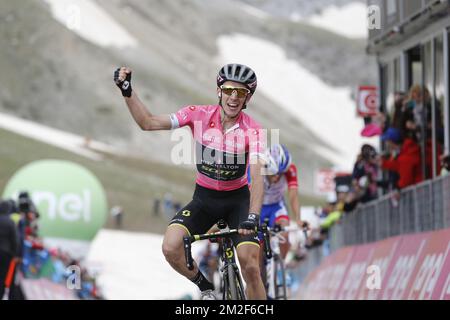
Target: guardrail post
{"points": [[445, 202], [416, 211]]}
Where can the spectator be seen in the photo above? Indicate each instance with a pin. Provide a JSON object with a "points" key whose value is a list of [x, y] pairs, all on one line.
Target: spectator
{"points": [[37, 260], [177, 206], [415, 105], [400, 99], [87, 142], [341, 193], [117, 213], [393, 140], [30, 216], [417, 116], [168, 206], [365, 174], [19, 220], [351, 201], [156, 206], [331, 219], [8, 242], [445, 162], [403, 159], [58, 275], [312, 216], [26, 204], [209, 260], [330, 216]]}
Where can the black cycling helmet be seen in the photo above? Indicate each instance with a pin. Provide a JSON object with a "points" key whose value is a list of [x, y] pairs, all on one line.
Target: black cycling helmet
{"points": [[24, 194], [237, 73], [368, 152]]}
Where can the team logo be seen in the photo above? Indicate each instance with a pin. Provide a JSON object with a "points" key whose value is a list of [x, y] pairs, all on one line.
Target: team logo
{"points": [[186, 213], [192, 108], [208, 137], [183, 115], [253, 84], [212, 125], [292, 172]]}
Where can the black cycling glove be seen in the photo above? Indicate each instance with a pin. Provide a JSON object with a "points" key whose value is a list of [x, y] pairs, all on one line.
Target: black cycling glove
{"points": [[124, 86], [251, 223]]}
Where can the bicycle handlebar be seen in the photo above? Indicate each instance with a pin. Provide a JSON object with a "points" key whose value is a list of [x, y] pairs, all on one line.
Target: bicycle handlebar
{"points": [[266, 234], [187, 253], [277, 229], [188, 240]]}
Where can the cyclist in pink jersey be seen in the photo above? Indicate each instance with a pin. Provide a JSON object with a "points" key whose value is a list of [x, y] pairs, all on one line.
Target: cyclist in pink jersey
{"points": [[228, 141]]}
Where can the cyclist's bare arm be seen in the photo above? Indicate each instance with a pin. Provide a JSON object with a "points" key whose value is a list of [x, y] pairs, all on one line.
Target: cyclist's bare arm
{"points": [[146, 120], [257, 190], [256, 194], [213, 229], [294, 201]]}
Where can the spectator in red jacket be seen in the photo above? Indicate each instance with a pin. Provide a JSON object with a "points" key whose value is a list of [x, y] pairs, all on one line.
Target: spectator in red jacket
{"points": [[402, 158]]}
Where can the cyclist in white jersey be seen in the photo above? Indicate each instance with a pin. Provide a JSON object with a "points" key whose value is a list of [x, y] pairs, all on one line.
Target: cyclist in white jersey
{"points": [[282, 176]]}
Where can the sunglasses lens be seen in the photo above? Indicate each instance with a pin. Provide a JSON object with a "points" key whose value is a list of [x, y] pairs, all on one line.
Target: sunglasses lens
{"points": [[241, 92], [227, 91]]}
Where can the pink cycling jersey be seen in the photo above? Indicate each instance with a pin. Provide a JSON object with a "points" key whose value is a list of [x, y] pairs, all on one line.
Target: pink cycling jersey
{"points": [[221, 158]]}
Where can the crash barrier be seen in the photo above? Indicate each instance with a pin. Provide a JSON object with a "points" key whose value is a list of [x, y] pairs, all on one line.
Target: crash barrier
{"points": [[45, 289], [415, 266], [423, 207]]}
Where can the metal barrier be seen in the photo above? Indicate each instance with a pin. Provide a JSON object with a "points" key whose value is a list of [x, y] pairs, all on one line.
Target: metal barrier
{"points": [[423, 207]]}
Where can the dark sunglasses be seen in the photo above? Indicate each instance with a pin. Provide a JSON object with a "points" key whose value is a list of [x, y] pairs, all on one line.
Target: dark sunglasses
{"points": [[240, 92]]}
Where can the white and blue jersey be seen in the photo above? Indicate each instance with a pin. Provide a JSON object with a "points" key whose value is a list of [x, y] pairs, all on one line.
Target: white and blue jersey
{"points": [[274, 206]]}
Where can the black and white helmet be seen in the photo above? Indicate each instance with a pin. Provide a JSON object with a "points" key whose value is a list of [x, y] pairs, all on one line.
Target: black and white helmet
{"points": [[237, 73]]}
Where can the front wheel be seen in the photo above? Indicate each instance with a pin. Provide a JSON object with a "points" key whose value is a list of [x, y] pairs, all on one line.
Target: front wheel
{"points": [[279, 279], [234, 287], [232, 293]]}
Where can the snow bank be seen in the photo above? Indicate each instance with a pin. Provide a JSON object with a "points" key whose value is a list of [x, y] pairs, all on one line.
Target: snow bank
{"points": [[132, 266], [82, 146], [91, 22], [327, 111], [349, 21]]}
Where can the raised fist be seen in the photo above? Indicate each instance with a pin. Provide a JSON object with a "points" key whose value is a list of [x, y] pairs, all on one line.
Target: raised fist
{"points": [[122, 78]]}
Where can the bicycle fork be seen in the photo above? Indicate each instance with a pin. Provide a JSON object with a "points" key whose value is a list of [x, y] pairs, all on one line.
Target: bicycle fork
{"points": [[276, 283]]}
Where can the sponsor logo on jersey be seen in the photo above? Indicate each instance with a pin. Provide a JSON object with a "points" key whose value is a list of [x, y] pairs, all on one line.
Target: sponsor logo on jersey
{"points": [[208, 137], [219, 165]]}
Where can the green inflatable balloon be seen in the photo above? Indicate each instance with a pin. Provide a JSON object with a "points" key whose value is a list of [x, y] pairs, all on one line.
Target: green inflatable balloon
{"points": [[69, 198]]}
